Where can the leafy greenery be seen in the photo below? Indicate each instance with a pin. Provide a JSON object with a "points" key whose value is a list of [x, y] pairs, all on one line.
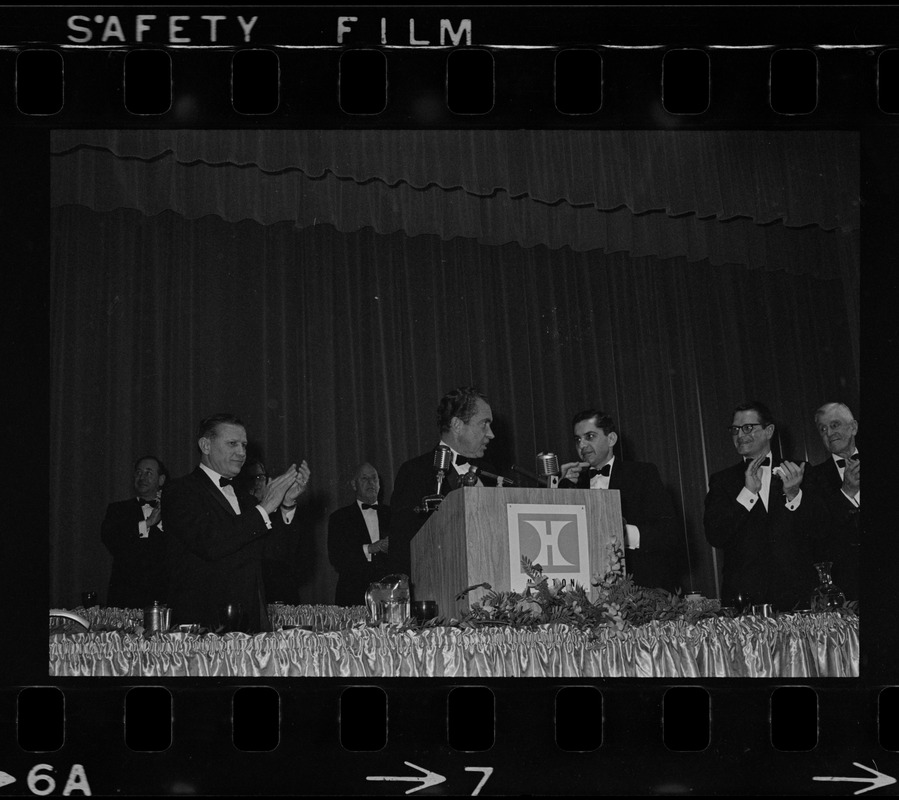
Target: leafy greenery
{"points": [[619, 602]]}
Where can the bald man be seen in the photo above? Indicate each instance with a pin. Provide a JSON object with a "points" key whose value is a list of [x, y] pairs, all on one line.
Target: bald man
{"points": [[358, 539]]}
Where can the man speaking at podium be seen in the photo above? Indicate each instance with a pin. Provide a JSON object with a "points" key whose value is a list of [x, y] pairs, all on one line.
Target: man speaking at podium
{"points": [[650, 524], [464, 419]]}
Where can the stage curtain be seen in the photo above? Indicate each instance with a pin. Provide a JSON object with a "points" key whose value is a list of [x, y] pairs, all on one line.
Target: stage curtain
{"points": [[334, 346]]}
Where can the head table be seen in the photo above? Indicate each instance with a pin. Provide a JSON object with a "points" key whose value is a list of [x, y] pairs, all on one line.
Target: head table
{"points": [[329, 641]]}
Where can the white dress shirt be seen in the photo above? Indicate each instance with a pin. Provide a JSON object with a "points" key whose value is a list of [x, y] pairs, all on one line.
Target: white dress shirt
{"points": [[370, 515], [631, 532]]}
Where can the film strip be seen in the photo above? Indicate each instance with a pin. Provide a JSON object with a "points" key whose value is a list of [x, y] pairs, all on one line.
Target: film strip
{"points": [[462, 68]]}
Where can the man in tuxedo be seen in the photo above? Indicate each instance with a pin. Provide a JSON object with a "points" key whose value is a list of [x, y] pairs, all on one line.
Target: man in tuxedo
{"points": [[758, 516], [358, 539], [132, 531], [837, 480], [464, 418], [650, 535], [216, 535]]}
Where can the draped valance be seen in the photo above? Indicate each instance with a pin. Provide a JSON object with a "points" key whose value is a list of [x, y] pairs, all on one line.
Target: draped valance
{"points": [[772, 200]]}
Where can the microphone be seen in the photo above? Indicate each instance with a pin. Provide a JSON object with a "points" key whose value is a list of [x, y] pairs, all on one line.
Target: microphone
{"points": [[443, 457], [548, 468], [497, 478]]}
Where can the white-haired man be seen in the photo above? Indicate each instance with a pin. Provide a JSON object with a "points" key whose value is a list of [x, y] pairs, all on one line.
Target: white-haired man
{"points": [[837, 480]]}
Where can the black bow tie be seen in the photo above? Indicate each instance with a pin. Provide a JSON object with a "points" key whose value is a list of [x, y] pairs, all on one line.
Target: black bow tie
{"points": [[152, 503], [369, 505], [461, 460], [841, 462], [765, 463], [225, 481], [606, 470]]}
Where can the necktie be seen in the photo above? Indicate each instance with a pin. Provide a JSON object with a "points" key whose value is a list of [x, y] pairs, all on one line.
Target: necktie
{"points": [[461, 460], [606, 470], [765, 463], [369, 505], [225, 481], [151, 503]]}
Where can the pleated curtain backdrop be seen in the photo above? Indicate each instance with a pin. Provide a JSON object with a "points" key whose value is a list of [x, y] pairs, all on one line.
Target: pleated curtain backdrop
{"points": [[330, 287]]}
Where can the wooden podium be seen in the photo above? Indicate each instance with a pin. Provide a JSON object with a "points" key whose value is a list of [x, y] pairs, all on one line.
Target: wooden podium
{"points": [[477, 534]]}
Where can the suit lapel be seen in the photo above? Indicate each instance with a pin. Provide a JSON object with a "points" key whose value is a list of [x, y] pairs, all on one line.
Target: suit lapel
{"points": [[215, 492]]}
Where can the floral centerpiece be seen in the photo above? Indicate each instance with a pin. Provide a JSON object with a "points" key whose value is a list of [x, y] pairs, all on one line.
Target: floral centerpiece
{"points": [[619, 602]]}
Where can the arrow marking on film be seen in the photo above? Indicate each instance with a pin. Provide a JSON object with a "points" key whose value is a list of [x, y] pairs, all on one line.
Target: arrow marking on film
{"points": [[876, 782], [427, 778], [6, 779]]}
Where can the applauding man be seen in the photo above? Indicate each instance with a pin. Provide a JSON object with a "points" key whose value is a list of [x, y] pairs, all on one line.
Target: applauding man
{"points": [[217, 535], [758, 516], [838, 479]]}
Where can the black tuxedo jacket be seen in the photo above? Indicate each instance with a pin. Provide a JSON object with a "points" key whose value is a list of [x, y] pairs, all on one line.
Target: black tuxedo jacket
{"points": [[843, 537], [645, 503], [414, 480], [768, 554], [347, 533], [139, 569], [215, 555]]}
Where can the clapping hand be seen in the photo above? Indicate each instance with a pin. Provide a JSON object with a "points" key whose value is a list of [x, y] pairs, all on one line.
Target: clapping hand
{"points": [[155, 514], [298, 486], [277, 488], [753, 475], [791, 474]]}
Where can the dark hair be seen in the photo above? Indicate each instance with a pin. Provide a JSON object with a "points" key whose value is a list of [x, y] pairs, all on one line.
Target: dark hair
{"points": [[603, 420], [765, 415], [206, 428], [460, 403], [161, 468], [252, 462]]}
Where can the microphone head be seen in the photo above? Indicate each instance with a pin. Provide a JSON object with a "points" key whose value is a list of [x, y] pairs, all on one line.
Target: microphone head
{"points": [[443, 458], [547, 464]]}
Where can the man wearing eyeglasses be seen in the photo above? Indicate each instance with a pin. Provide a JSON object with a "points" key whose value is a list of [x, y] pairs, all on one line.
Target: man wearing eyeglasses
{"points": [[132, 532], [837, 479], [758, 516]]}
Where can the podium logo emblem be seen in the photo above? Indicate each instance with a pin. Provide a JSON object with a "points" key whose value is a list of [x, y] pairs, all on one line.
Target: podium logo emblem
{"points": [[553, 536]]}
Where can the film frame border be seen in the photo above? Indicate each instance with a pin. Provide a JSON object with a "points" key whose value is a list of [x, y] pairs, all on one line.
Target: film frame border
{"points": [[407, 696]]}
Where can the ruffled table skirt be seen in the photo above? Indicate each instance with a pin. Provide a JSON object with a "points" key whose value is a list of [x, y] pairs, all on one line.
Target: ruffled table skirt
{"points": [[341, 644]]}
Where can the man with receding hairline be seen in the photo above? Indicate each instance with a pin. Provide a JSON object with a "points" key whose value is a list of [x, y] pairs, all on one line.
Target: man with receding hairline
{"points": [[837, 479], [358, 539], [217, 535], [464, 419], [132, 531]]}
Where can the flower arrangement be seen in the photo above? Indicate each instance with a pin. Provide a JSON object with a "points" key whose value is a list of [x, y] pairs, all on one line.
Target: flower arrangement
{"points": [[619, 602]]}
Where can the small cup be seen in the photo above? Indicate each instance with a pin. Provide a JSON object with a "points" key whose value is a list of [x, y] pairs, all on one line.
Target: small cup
{"points": [[423, 610], [763, 610]]}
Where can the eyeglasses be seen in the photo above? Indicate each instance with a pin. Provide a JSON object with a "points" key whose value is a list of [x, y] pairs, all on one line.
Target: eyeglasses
{"points": [[261, 477], [747, 428]]}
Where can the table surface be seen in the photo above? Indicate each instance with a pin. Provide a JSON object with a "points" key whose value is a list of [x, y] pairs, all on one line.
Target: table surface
{"points": [[338, 642]]}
